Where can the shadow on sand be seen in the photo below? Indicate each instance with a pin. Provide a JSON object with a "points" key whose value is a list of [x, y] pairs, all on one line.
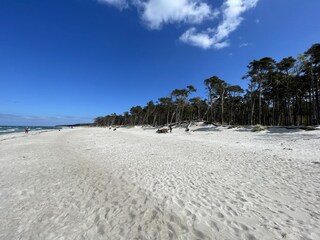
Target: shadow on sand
{"points": [[206, 129]]}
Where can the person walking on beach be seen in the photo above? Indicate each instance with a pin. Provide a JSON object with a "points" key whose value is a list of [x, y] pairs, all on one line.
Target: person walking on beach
{"points": [[26, 130]]}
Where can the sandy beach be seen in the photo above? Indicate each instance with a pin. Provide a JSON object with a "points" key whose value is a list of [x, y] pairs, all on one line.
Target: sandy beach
{"points": [[210, 183]]}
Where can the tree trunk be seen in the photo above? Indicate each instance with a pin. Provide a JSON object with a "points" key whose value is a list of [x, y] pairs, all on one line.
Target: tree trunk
{"points": [[222, 109], [260, 102]]}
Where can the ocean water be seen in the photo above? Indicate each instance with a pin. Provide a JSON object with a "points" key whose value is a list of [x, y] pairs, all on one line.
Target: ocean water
{"points": [[16, 129]]}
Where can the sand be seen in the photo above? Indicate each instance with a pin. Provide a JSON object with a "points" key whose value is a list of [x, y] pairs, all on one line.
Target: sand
{"points": [[210, 183]]}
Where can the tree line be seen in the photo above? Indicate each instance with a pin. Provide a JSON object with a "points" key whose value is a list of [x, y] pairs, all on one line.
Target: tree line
{"points": [[278, 93]]}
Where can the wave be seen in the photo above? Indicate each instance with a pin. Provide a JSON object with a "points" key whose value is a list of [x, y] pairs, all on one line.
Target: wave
{"points": [[19, 129], [8, 130]]}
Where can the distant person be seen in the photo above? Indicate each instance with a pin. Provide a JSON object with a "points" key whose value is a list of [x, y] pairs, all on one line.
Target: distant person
{"points": [[26, 130]]}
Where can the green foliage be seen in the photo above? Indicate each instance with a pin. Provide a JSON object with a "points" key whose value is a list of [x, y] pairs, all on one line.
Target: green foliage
{"points": [[279, 93]]}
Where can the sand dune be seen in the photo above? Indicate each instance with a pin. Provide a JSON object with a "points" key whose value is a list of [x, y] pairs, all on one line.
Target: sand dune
{"points": [[93, 183]]}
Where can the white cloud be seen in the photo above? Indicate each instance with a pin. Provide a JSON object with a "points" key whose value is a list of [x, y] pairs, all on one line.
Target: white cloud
{"points": [[218, 38], [202, 39], [121, 4], [244, 45], [156, 13]]}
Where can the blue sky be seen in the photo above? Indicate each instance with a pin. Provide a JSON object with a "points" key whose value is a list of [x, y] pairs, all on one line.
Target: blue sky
{"points": [[69, 61]]}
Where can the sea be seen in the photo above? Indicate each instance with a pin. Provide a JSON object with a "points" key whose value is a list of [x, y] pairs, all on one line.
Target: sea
{"points": [[16, 129]]}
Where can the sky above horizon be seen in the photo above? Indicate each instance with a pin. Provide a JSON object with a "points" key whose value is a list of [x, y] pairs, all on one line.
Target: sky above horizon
{"points": [[69, 61]]}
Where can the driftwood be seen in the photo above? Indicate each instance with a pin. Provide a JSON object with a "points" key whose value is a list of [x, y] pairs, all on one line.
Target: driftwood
{"points": [[188, 124], [188, 127], [207, 123], [162, 130]]}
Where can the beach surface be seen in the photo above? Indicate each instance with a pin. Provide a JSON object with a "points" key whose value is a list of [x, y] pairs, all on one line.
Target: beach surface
{"points": [[209, 183]]}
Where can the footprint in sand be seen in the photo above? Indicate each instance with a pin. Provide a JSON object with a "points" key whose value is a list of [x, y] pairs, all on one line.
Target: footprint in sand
{"points": [[181, 203], [188, 213], [213, 225], [220, 215]]}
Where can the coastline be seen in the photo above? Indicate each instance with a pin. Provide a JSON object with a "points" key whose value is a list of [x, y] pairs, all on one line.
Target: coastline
{"points": [[218, 183], [4, 130]]}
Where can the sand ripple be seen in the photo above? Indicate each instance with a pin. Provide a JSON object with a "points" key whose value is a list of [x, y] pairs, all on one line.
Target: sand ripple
{"points": [[134, 184]]}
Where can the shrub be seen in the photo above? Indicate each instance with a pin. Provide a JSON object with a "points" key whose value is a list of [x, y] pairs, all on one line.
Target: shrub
{"points": [[258, 128]]}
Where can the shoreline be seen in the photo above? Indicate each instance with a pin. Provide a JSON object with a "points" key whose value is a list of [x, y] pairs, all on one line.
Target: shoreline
{"points": [[93, 183]]}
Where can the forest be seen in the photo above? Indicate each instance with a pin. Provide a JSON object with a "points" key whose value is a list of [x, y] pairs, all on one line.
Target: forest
{"points": [[278, 94]]}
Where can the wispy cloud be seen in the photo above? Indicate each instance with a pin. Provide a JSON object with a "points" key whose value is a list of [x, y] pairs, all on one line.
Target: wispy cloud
{"points": [[121, 4], [156, 13], [242, 45]]}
